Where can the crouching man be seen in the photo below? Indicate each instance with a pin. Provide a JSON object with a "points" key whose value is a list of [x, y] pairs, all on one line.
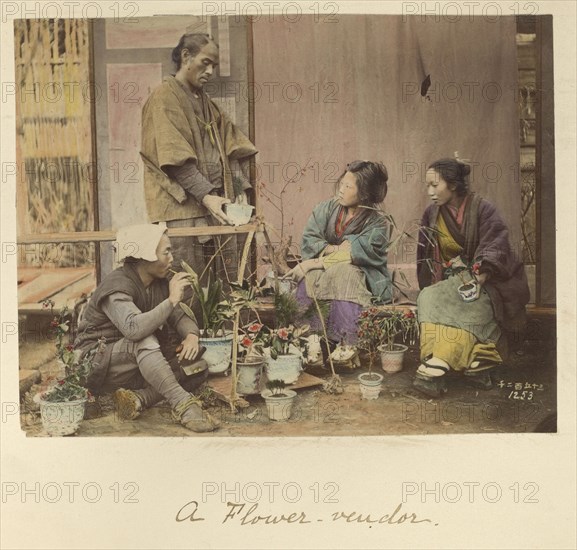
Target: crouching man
{"points": [[132, 309]]}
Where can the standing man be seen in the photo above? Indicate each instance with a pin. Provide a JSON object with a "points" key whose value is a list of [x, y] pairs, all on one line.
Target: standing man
{"points": [[195, 158]]}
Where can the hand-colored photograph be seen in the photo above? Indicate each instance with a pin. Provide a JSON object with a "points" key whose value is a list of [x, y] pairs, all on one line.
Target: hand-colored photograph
{"points": [[323, 225]]}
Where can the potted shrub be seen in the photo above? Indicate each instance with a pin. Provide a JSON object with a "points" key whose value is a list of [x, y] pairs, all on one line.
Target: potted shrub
{"points": [[250, 359], [384, 325], [216, 312], [369, 340], [62, 404], [282, 348], [279, 400], [392, 322]]}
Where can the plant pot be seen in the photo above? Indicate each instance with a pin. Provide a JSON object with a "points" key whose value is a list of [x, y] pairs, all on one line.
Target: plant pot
{"points": [[468, 292], [287, 368], [249, 376], [370, 384], [218, 353], [239, 213], [285, 286], [62, 418], [392, 360], [279, 407]]}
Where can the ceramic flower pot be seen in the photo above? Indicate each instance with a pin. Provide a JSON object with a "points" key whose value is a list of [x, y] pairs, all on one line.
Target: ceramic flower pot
{"points": [[392, 360], [62, 418], [287, 368], [249, 376], [218, 353], [468, 292], [370, 384], [279, 407], [285, 286], [239, 213]]}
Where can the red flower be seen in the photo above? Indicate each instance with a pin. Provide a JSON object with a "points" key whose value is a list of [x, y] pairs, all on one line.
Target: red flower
{"points": [[476, 267], [364, 314], [61, 382], [246, 342], [282, 333], [69, 347], [409, 314], [54, 323], [255, 327]]}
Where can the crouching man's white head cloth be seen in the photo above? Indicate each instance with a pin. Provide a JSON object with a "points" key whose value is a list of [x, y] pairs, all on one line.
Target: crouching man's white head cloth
{"points": [[139, 241]]}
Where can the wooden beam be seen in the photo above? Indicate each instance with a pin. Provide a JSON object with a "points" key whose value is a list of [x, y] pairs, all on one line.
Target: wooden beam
{"points": [[101, 236]]}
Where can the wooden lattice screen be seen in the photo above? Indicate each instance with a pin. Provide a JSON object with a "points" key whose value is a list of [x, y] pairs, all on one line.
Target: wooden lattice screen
{"points": [[54, 141]]}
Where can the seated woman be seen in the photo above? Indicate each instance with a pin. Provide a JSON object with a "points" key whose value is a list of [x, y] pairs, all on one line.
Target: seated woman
{"points": [[131, 309], [344, 247], [464, 239]]}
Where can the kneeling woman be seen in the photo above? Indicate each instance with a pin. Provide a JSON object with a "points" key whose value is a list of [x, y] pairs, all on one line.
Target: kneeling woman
{"points": [[344, 247], [464, 240]]}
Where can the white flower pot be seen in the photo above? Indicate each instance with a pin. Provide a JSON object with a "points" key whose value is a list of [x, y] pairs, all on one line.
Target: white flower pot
{"points": [[279, 408], [468, 291], [62, 418], [249, 376], [287, 368], [218, 353], [370, 384], [392, 360], [239, 213]]}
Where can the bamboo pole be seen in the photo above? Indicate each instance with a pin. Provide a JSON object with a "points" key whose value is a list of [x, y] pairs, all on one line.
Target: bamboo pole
{"points": [[100, 236], [242, 267]]}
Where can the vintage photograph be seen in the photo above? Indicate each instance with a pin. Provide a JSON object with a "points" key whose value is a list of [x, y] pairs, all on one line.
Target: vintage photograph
{"points": [[306, 224]]}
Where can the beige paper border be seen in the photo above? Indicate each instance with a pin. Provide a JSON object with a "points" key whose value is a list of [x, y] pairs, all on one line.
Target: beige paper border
{"points": [[369, 471]]}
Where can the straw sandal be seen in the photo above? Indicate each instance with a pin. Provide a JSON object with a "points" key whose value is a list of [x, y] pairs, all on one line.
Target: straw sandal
{"points": [[127, 404], [190, 414]]}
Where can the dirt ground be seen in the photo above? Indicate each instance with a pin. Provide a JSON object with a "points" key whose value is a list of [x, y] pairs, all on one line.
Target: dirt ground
{"points": [[399, 409]]}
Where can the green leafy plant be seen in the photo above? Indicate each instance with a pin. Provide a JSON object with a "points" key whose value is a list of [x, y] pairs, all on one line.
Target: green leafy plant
{"points": [[379, 327], [77, 366], [276, 387], [279, 341], [215, 309], [251, 342], [463, 268]]}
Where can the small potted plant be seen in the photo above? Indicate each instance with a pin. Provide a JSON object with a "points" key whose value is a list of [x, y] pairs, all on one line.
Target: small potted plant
{"points": [[283, 349], [392, 322], [467, 272], [250, 358], [369, 340], [62, 404], [279, 400], [216, 312]]}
